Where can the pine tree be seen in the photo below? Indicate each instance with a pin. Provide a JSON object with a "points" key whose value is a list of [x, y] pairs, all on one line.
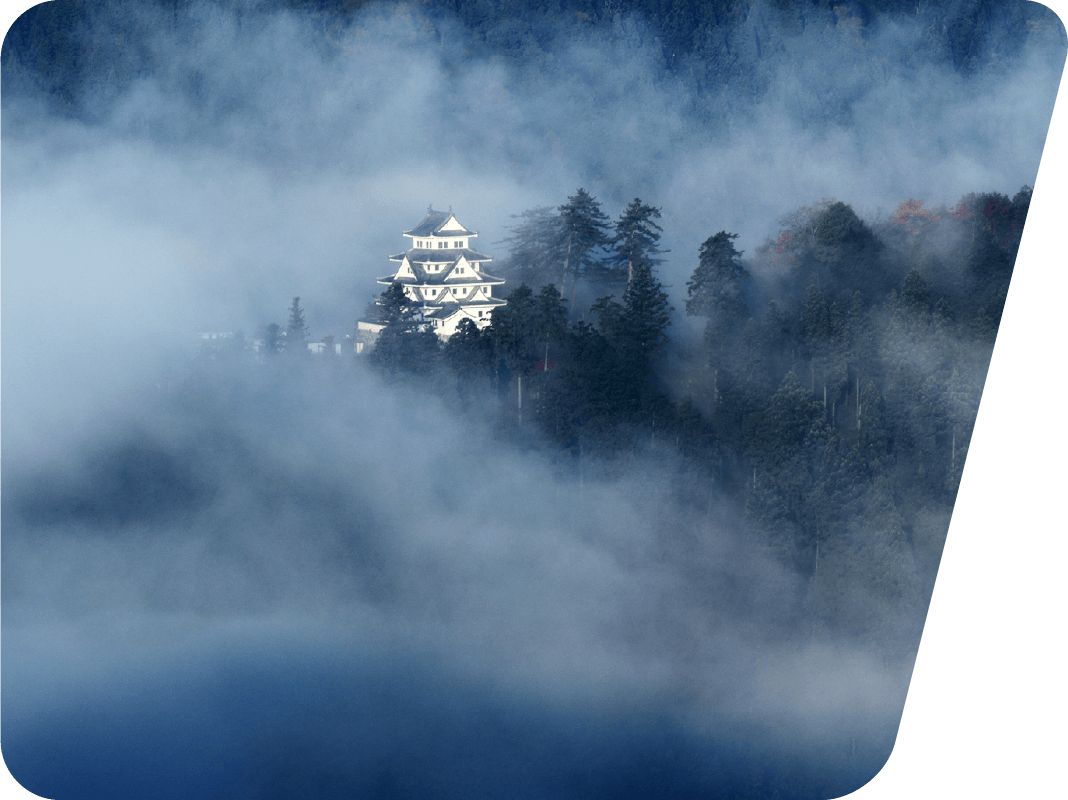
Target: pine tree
{"points": [[637, 329], [523, 328], [584, 237], [469, 352], [512, 329], [296, 330], [537, 247], [646, 314], [915, 295], [635, 242], [816, 326], [550, 316], [848, 255], [715, 290], [405, 344]]}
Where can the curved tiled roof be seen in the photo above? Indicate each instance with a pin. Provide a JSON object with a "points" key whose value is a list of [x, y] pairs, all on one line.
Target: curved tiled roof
{"points": [[446, 310], [441, 279], [432, 223], [440, 255], [445, 275]]}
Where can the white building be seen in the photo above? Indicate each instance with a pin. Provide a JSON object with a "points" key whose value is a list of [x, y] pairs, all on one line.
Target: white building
{"points": [[444, 275]]}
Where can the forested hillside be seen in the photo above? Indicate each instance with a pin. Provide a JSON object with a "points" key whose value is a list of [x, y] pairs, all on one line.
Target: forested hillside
{"points": [[841, 361], [727, 51], [666, 528], [829, 404]]}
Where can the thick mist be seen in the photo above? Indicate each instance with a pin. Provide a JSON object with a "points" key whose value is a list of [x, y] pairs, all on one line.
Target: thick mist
{"points": [[270, 581]]}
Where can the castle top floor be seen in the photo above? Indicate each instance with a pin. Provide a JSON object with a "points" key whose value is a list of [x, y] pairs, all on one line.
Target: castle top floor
{"points": [[440, 230]]}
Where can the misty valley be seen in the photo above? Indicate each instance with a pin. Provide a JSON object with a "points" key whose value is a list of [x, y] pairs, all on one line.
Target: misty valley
{"points": [[628, 478], [705, 565], [828, 404]]}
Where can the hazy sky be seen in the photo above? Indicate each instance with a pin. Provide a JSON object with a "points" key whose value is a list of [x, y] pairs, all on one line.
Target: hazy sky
{"points": [[345, 526]]}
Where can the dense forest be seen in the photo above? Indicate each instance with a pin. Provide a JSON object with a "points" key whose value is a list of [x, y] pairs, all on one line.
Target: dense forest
{"points": [[830, 401], [84, 55]]}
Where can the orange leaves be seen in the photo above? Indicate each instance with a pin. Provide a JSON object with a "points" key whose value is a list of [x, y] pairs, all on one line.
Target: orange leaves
{"points": [[912, 215]]}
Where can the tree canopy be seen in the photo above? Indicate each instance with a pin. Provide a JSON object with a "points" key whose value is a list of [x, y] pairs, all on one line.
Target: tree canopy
{"points": [[296, 330], [635, 242], [715, 291], [584, 232], [405, 344]]}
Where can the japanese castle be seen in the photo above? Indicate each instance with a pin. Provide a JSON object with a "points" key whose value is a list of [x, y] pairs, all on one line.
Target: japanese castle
{"points": [[444, 275]]}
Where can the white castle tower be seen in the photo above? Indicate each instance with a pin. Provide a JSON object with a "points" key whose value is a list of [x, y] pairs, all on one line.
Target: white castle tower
{"points": [[444, 275]]}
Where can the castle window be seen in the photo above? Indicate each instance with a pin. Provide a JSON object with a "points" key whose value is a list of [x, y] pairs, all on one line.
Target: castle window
{"points": [[441, 245]]}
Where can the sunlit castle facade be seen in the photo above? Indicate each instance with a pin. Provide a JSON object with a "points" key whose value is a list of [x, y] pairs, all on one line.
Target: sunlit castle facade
{"points": [[443, 274]]}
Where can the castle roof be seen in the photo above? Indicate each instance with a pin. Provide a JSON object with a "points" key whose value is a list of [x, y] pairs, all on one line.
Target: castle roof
{"points": [[447, 276], [422, 279], [446, 310], [440, 256], [435, 221]]}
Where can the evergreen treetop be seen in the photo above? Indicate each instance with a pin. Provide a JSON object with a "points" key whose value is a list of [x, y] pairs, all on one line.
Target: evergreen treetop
{"points": [[636, 240], [715, 291], [296, 330], [584, 236], [537, 247]]}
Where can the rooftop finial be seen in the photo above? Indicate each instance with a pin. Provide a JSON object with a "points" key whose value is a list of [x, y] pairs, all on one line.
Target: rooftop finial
{"points": [[430, 209]]}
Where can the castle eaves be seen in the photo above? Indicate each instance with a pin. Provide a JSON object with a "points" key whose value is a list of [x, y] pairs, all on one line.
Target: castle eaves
{"points": [[434, 222]]}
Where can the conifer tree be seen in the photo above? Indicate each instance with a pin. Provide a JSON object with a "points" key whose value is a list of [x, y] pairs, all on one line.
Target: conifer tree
{"points": [[469, 352], [296, 330], [915, 295], [635, 241], [522, 328], [646, 315], [584, 237], [537, 247], [405, 344], [848, 255], [637, 329], [715, 290]]}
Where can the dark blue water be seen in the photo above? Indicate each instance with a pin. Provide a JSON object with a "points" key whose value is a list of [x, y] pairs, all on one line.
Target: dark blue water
{"points": [[284, 719]]}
